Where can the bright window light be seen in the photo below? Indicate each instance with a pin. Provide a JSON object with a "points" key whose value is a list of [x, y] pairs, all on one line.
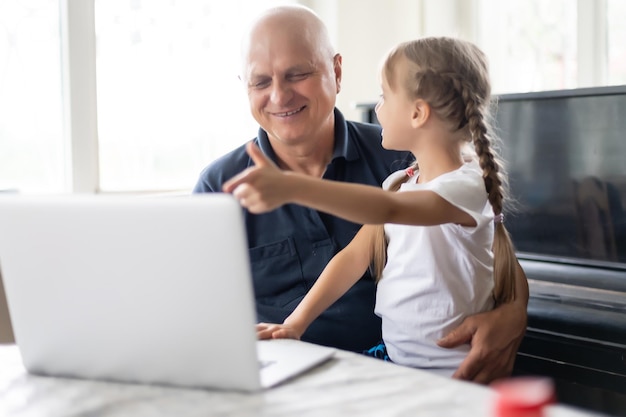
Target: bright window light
{"points": [[32, 147], [169, 97]]}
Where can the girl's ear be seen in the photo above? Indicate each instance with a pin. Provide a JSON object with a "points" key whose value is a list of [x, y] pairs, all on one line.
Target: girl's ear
{"points": [[421, 113]]}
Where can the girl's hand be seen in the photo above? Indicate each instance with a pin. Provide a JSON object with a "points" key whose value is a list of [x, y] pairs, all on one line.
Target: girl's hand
{"points": [[275, 331], [260, 188]]}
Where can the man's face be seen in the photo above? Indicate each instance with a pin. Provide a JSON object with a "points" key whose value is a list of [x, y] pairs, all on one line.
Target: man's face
{"points": [[292, 87]]}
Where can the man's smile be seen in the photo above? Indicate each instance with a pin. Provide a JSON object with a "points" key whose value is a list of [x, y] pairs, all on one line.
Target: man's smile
{"points": [[288, 113]]}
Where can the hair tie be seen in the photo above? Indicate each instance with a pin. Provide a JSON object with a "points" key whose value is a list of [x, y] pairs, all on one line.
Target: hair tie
{"points": [[409, 172], [498, 218]]}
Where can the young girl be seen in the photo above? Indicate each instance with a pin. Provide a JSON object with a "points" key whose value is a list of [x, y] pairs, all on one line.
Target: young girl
{"points": [[431, 244]]}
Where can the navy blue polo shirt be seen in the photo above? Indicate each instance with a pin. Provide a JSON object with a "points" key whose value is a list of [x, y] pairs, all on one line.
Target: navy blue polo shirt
{"points": [[290, 246]]}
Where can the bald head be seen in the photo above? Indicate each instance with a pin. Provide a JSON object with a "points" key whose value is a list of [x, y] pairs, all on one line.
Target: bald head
{"points": [[296, 26]]}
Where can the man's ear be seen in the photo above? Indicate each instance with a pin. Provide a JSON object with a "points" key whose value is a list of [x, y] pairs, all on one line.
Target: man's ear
{"points": [[337, 60], [421, 113]]}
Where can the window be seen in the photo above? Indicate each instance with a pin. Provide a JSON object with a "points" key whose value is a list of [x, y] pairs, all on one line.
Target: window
{"points": [[169, 99], [167, 93], [32, 148], [553, 45], [533, 39], [158, 92], [616, 29]]}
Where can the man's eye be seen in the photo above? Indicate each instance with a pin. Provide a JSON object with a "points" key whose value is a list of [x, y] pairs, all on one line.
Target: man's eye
{"points": [[298, 76], [260, 84]]}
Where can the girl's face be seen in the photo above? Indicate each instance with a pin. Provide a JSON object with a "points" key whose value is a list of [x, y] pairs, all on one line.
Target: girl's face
{"points": [[394, 110]]}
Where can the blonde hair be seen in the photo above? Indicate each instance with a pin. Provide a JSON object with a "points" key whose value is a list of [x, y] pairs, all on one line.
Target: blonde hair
{"points": [[452, 76]]}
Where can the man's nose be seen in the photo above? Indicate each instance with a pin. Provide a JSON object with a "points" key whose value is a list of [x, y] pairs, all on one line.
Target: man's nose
{"points": [[281, 93]]}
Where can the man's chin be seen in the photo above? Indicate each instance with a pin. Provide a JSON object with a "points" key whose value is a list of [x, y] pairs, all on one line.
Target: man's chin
{"points": [[288, 138]]}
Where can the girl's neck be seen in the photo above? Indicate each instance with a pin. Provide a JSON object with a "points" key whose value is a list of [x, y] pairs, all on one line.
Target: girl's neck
{"points": [[437, 160], [437, 150]]}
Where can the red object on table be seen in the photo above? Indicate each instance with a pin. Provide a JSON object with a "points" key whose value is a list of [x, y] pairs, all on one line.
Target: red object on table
{"points": [[523, 396]]}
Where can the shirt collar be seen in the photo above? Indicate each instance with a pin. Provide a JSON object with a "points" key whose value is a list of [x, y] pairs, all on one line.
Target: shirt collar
{"points": [[344, 146], [264, 144]]}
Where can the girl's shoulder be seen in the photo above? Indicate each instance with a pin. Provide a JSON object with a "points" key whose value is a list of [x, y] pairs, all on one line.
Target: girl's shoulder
{"points": [[468, 175], [468, 169]]}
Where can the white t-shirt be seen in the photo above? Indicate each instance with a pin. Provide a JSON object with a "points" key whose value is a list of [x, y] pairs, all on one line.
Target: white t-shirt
{"points": [[436, 275]]}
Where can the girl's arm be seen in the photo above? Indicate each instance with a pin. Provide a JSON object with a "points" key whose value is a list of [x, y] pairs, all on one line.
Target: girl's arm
{"points": [[264, 187], [341, 273]]}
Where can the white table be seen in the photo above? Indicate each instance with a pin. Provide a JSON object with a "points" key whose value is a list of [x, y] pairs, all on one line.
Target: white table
{"points": [[348, 385]]}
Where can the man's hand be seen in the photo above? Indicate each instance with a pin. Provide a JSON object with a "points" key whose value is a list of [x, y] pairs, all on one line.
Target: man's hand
{"points": [[494, 337]]}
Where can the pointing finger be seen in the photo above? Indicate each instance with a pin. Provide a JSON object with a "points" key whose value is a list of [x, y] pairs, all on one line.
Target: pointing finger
{"points": [[230, 185], [257, 155]]}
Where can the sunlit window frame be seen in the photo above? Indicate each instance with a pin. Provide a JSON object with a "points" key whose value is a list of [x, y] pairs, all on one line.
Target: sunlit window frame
{"points": [[78, 51]]}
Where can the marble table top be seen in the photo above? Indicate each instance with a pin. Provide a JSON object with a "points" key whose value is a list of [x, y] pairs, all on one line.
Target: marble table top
{"points": [[348, 385]]}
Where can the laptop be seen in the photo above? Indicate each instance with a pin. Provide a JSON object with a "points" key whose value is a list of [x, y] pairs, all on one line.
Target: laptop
{"points": [[153, 290]]}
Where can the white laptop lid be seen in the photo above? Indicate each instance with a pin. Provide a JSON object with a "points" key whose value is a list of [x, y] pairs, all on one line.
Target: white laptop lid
{"points": [[149, 290]]}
